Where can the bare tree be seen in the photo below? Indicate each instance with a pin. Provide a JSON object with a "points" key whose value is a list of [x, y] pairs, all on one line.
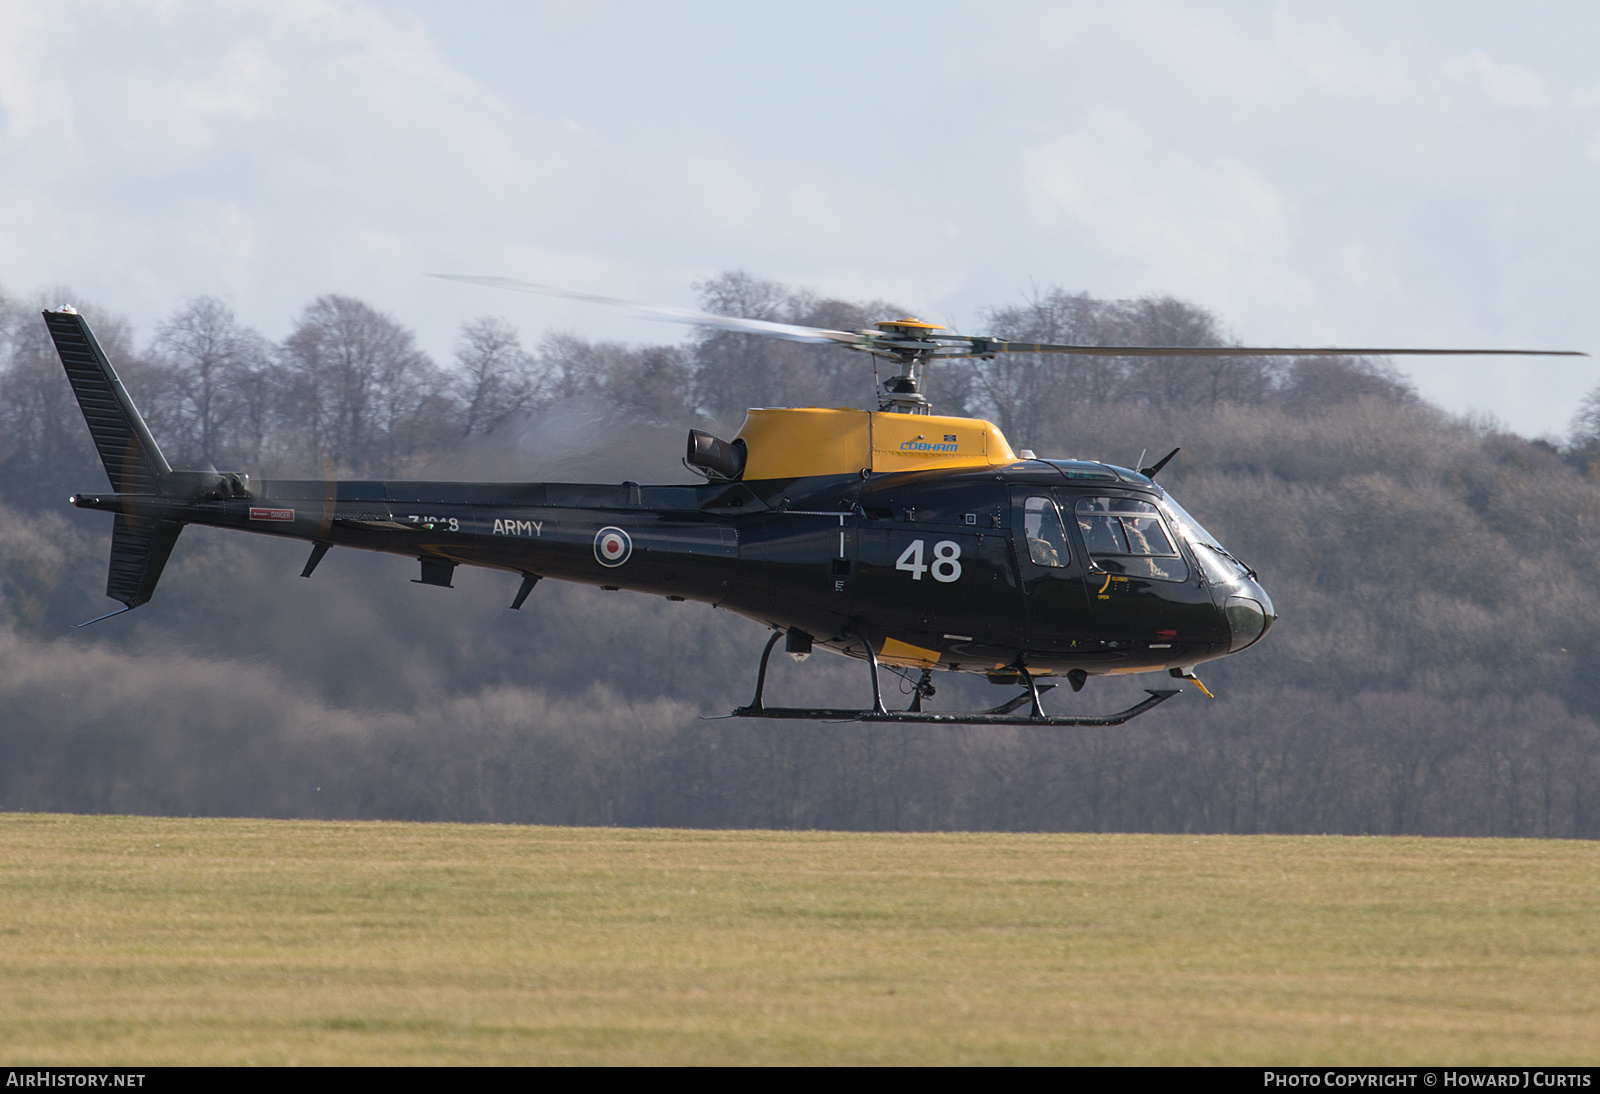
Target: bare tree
{"points": [[12, 316], [1182, 382], [495, 379], [1028, 391], [1318, 382], [357, 389], [733, 371], [651, 379], [736, 371], [217, 365], [569, 366], [1583, 437]]}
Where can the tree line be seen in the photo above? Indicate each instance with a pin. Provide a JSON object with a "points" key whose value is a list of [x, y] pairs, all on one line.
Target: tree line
{"points": [[1434, 669], [348, 391]]}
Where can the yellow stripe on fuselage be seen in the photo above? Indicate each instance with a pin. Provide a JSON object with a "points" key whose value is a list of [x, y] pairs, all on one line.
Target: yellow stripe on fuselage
{"points": [[906, 655]]}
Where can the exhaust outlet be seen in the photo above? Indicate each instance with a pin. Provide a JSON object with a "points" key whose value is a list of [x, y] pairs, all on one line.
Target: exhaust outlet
{"points": [[715, 458]]}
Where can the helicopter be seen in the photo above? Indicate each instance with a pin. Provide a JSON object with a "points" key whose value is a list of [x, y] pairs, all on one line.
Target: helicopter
{"points": [[911, 541]]}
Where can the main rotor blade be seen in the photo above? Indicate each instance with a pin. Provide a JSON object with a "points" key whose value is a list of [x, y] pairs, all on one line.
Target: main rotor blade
{"points": [[670, 315], [984, 347], [957, 345]]}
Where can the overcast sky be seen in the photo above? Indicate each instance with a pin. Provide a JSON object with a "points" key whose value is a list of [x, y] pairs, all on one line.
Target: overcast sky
{"points": [[1383, 174]]}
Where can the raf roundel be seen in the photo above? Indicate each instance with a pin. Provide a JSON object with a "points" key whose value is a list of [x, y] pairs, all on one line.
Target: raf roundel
{"points": [[612, 546]]}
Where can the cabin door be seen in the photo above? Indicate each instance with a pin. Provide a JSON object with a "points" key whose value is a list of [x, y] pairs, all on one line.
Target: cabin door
{"points": [[1060, 619], [1142, 590]]}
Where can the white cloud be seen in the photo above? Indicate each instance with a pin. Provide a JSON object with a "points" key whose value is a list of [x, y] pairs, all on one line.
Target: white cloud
{"points": [[1332, 61], [22, 38], [1358, 269], [1507, 85], [1586, 99], [1211, 229], [272, 151]]}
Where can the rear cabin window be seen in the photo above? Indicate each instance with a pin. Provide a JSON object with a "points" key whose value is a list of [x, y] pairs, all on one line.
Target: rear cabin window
{"points": [[1124, 536], [1047, 539]]}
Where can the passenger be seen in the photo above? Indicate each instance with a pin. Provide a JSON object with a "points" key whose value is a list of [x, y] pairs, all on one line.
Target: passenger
{"points": [[1047, 539]]}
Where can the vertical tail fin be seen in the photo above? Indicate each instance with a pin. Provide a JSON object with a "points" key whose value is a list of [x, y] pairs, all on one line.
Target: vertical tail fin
{"points": [[139, 545], [131, 457]]}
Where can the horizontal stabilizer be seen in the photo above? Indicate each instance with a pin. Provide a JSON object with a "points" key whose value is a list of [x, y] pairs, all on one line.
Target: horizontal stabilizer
{"points": [[131, 457], [139, 550]]}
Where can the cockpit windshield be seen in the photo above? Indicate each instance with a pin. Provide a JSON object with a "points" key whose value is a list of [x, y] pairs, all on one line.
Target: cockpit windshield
{"points": [[1219, 566], [1126, 536]]}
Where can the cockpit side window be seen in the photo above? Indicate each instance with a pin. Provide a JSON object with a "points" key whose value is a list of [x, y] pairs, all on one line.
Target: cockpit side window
{"points": [[1127, 536], [1047, 539]]}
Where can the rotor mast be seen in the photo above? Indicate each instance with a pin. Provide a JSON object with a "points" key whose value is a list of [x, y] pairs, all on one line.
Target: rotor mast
{"points": [[907, 343]]}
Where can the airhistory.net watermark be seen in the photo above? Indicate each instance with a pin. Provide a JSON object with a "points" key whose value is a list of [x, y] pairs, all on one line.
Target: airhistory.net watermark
{"points": [[71, 1077]]}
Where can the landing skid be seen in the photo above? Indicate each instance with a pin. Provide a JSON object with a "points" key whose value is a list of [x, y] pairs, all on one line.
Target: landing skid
{"points": [[995, 716]]}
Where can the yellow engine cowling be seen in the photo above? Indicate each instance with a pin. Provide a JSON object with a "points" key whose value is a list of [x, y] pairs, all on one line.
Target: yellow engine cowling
{"points": [[801, 442]]}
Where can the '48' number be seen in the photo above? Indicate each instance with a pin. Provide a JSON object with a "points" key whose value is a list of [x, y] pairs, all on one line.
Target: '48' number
{"points": [[946, 560]]}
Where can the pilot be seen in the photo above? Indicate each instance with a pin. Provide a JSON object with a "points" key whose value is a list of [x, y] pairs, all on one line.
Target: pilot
{"points": [[1137, 530], [1047, 544], [1043, 552]]}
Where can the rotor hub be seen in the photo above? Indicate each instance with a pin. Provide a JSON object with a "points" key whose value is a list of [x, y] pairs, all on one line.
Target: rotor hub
{"points": [[908, 342]]}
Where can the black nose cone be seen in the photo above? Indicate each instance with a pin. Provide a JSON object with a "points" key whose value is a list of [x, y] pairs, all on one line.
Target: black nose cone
{"points": [[1248, 618]]}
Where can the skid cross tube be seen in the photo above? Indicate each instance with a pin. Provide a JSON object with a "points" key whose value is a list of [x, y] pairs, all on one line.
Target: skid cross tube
{"points": [[757, 709], [872, 659], [1012, 704], [761, 676], [1035, 711]]}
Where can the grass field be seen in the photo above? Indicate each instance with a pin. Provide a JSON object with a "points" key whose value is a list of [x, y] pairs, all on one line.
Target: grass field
{"points": [[139, 940]]}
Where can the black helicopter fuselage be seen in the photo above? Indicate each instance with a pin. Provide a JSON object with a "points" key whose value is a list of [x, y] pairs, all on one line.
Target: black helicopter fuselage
{"points": [[937, 568], [904, 538], [897, 536]]}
